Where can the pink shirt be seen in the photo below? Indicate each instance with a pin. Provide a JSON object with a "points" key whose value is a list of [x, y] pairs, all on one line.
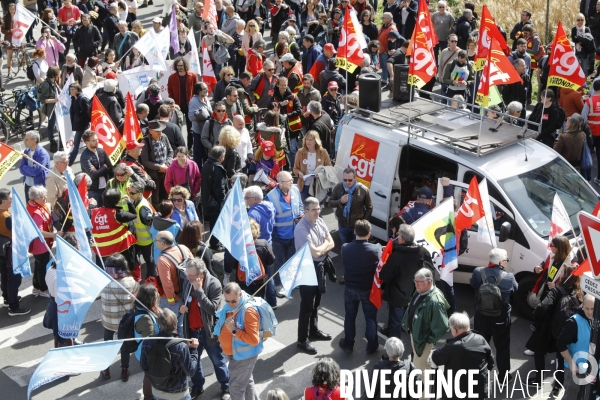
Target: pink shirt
{"points": [[52, 48]]}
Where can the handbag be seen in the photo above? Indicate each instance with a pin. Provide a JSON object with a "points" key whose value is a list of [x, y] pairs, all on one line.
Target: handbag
{"points": [[586, 157], [220, 53]]}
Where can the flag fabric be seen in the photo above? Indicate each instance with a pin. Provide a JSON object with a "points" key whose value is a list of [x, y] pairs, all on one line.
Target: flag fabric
{"points": [[131, 129], [24, 231], [109, 137], [422, 67], [8, 158], [83, 192], [136, 80], [583, 268], [298, 270], [163, 42], [488, 30], [436, 232], [486, 232], [376, 295], [78, 282], [207, 69], [565, 70], [559, 225], [81, 219], [173, 30], [233, 230], [424, 19], [22, 22], [471, 210], [63, 116], [89, 357], [147, 45], [192, 57], [350, 54], [210, 13], [498, 70]]}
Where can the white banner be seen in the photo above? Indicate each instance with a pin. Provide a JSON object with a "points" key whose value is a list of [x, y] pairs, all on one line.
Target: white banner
{"points": [[23, 20], [163, 43], [192, 57], [147, 46], [137, 79], [63, 116]]}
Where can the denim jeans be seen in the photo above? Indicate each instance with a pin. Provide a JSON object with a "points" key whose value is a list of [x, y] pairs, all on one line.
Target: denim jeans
{"points": [[304, 193], [383, 57], [270, 296], [215, 353], [175, 308], [346, 234], [395, 321], [75, 149], [283, 249], [293, 150], [351, 300]]}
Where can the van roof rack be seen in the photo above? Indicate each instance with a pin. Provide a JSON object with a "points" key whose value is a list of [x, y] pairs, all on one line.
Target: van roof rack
{"points": [[458, 129]]}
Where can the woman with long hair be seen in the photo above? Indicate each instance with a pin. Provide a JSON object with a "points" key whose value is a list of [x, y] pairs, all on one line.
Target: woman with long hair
{"points": [[561, 250], [191, 237], [230, 139], [309, 157], [325, 381], [368, 26], [110, 64], [183, 172]]}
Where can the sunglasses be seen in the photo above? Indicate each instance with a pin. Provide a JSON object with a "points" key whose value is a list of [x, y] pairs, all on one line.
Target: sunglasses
{"points": [[348, 180], [333, 89], [132, 193], [120, 174], [176, 200], [271, 69], [453, 41], [219, 111]]}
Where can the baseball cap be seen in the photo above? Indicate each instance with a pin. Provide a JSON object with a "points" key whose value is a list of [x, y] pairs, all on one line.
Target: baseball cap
{"points": [[288, 57], [425, 193], [329, 47], [111, 75], [332, 84], [268, 148], [157, 20]]}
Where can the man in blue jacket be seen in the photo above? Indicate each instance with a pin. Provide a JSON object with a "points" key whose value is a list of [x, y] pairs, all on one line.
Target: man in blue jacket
{"points": [[34, 174], [312, 52]]}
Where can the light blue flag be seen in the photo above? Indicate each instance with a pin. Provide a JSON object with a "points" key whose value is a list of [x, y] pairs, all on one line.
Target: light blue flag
{"points": [[78, 283], [233, 230], [81, 219], [299, 270], [24, 231], [65, 361]]}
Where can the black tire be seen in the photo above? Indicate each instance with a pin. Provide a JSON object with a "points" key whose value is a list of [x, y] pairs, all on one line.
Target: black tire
{"points": [[3, 132], [24, 120], [521, 299]]}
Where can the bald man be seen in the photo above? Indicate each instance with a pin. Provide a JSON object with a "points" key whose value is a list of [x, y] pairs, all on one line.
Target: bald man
{"points": [[170, 257], [245, 147]]}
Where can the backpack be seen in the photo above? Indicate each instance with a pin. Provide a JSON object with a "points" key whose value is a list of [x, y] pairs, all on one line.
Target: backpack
{"points": [[127, 330], [181, 267], [160, 367], [268, 321], [488, 299], [241, 275], [319, 395], [220, 53], [30, 73], [565, 308]]}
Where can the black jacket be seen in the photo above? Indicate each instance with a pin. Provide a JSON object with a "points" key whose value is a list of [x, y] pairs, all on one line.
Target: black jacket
{"points": [[466, 351], [112, 107], [360, 262], [332, 106], [174, 135], [568, 334], [111, 27], [80, 113], [320, 125], [147, 157], [516, 91], [399, 271], [88, 159], [393, 366], [87, 40], [550, 121], [214, 187], [462, 28], [232, 162]]}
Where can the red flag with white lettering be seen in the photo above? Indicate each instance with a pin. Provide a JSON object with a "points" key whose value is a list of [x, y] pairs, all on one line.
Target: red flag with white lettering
{"points": [[210, 13], [488, 31], [471, 209], [565, 70], [109, 137], [376, 296], [131, 130], [498, 71], [208, 73], [349, 55], [422, 66]]}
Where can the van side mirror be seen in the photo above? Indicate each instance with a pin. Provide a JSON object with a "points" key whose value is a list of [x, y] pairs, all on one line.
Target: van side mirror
{"points": [[504, 232]]}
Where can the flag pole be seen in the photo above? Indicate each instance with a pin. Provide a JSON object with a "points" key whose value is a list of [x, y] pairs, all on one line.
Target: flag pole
{"points": [[44, 23]]}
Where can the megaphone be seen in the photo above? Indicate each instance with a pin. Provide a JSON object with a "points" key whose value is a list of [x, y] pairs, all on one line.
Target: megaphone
{"points": [[262, 177]]}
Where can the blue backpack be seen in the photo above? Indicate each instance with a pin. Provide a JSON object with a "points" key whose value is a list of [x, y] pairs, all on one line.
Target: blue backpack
{"points": [[268, 321]]}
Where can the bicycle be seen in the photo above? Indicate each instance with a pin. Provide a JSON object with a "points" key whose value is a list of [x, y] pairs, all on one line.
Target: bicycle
{"points": [[18, 119], [20, 59]]}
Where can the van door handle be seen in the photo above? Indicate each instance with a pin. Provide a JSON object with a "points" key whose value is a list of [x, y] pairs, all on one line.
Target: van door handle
{"points": [[378, 193]]}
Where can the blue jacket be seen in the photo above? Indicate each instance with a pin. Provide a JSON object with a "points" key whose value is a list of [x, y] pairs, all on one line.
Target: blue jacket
{"points": [[416, 212], [507, 285], [310, 56], [264, 214], [190, 210], [285, 213], [38, 173], [183, 359]]}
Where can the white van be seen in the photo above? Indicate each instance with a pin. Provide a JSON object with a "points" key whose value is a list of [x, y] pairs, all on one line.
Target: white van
{"points": [[522, 174]]}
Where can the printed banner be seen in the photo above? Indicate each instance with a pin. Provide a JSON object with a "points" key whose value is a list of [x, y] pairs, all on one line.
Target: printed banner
{"points": [[350, 54], [137, 79], [209, 73], [298, 270], [109, 137], [81, 218], [422, 66], [565, 70], [147, 46], [63, 116], [8, 158], [498, 70], [210, 13], [363, 156], [487, 31], [21, 24], [173, 30], [163, 43]]}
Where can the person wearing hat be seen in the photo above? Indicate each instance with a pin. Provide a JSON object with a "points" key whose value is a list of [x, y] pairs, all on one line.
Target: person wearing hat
{"points": [[292, 69], [111, 24], [291, 23], [256, 58], [157, 24], [312, 52], [265, 162], [421, 207], [110, 102], [156, 157], [331, 74], [321, 63]]}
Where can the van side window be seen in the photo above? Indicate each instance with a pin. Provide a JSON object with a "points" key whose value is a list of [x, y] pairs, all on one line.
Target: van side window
{"points": [[420, 168]]}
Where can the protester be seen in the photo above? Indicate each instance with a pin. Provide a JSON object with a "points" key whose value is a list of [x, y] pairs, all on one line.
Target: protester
{"points": [[69, 68], [185, 210], [212, 128], [172, 131], [392, 361], [142, 224], [214, 189], [162, 221], [183, 172], [309, 157], [86, 40], [35, 163], [325, 381], [48, 93], [230, 139], [156, 157], [56, 181], [191, 237], [570, 143]]}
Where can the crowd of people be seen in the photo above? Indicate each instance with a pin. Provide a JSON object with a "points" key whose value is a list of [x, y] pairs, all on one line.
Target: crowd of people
{"points": [[271, 123]]}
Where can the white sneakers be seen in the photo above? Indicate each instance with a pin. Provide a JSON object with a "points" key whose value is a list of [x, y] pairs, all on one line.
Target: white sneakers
{"points": [[528, 352]]}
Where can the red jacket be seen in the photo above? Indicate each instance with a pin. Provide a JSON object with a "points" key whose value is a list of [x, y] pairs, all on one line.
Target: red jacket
{"points": [[173, 87], [254, 63]]}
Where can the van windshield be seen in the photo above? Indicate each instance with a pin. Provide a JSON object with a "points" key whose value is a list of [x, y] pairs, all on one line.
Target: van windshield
{"points": [[532, 193]]}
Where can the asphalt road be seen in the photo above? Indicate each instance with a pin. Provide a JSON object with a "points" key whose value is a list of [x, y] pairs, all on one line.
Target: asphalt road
{"points": [[24, 341]]}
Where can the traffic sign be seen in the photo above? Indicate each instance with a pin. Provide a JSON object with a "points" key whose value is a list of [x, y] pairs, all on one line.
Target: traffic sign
{"points": [[590, 285], [590, 228]]}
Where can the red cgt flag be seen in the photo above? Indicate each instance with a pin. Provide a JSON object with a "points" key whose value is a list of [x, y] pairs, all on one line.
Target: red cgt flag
{"points": [[426, 26], [109, 137], [565, 70], [349, 55], [422, 66], [376, 296], [131, 130], [498, 71], [488, 31], [83, 192], [8, 158], [471, 209]]}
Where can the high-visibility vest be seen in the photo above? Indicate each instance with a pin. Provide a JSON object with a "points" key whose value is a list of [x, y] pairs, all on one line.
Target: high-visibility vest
{"points": [[111, 235], [298, 71], [121, 187], [142, 232], [294, 124], [261, 86], [593, 118]]}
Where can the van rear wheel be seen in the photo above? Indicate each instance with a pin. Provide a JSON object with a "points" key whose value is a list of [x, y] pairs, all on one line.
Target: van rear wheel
{"points": [[525, 300]]}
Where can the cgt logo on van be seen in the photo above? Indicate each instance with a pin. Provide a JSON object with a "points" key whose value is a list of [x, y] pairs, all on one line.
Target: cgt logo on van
{"points": [[363, 154]]}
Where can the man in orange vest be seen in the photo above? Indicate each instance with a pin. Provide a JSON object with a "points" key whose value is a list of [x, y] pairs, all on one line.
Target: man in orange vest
{"points": [[292, 69], [591, 113], [263, 85], [291, 108]]}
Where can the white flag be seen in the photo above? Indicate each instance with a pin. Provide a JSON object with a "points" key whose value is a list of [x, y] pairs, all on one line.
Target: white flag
{"points": [[137, 79], [192, 57], [163, 43], [23, 20], [63, 116], [485, 226], [147, 46]]}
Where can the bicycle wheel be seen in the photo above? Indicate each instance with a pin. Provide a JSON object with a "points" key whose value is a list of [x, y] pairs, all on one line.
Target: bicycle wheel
{"points": [[17, 60], [24, 120], [3, 132]]}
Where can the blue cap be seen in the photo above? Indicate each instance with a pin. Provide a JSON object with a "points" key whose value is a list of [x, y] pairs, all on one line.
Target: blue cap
{"points": [[425, 193]]}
